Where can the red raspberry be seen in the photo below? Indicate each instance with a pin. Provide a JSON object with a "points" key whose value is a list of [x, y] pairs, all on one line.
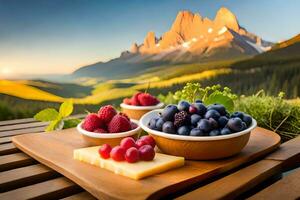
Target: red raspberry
{"points": [[133, 125], [146, 99], [100, 130], [139, 143], [146, 153], [127, 142], [132, 155], [135, 100], [118, 124], [149, 140], [123, 114], [127, 101], [92, 122], [106, 113], [118, 153], [193, 109], [104, 151]]}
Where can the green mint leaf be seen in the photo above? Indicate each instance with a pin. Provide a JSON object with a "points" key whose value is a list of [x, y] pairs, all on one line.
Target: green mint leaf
{"points": [[70, 123], [46, 115], [66, 108], [218, 97], [55, 125]]}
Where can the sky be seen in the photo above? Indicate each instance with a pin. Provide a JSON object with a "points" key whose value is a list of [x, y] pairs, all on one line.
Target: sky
{"points": [[59, 36]]}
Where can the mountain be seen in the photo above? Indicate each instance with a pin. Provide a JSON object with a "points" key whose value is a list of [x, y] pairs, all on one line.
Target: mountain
{"points": [[286, 43], [191, 38]]}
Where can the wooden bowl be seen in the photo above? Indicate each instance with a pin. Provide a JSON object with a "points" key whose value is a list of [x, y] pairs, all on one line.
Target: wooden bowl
{"points": [[197, 147], [113, 139], [136, 112]]}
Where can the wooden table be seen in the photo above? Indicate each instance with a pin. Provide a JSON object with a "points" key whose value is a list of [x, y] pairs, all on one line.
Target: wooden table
{"points": [[21, 177]]}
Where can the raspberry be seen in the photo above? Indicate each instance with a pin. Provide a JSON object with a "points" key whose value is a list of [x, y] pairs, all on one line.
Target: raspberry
{"points": [[132, 155], [193, 109], [117, 153], [123, 114], [181, 118], [127, 101], [139, 143], [146, 99], [146, 153], [106, 113], [104, 151], [100, 130], [118, 124], [133, 125], [149, 140], [92, 122], [127, 142], [135, 100]]}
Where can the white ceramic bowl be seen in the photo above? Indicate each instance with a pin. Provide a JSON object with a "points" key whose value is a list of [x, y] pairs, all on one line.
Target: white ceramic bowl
{"points": [[107, 138], [198, 147], [136, 112]]}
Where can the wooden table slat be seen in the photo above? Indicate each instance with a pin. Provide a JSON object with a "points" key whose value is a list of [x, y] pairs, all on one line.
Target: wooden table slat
{"points": [[288, 188], [22, 131], [16, 160], [8, 148], [4, 140], [17, 121], [22, 126], [80, 196], [53, 189], [24, 176]]}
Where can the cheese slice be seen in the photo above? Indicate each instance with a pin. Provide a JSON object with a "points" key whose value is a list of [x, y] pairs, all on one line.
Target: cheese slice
{"points": [[138, 170]]}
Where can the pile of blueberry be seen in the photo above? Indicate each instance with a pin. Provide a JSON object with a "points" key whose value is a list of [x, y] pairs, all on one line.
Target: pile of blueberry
{"points": [[198, 120]]}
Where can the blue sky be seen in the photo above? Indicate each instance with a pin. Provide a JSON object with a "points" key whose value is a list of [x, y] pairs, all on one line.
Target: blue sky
{"points": [[58, 36]]}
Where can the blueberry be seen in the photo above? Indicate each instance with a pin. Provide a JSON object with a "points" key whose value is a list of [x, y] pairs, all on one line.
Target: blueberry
{"points": [[198, 101], [196, 132], [195, 119], [168, 127], [225, 131], [201, 108], [222, 121], [169, 112], [204, 125], [214, 132], [159, 123], [235, 124], [244, 126], [213, 123], [193, 109], [183, 106], [220, 108], [247, 119], [183, 130], [237, 114], [152, 123], [212, 114]]}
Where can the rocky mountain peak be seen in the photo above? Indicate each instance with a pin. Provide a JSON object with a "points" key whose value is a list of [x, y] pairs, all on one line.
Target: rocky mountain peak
{"points": [[225, 17]]}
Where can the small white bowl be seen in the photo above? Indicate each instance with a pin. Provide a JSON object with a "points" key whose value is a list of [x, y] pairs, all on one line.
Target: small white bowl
{"points": [[136, 112], [112, 139], [198, 147]]}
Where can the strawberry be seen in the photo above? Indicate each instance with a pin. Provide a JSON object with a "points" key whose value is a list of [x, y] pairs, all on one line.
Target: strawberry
{"points": [[100, 130], [133, 125], [127, 101], [106, 113], [92, 122], [135, 100], [146, 99], [119, 123]]}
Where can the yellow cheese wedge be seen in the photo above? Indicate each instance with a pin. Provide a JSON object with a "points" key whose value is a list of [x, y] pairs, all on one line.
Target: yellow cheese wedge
{"points": [[138, 170]]}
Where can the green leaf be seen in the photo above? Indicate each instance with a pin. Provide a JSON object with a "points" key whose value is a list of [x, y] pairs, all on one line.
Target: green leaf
{"points": [[66, 108], [218, 97], [55, 125], [46, 115], [70, 123]]}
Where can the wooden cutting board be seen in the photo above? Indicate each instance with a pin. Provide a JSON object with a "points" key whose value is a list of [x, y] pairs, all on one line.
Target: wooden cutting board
{"points": [[56, 151]]}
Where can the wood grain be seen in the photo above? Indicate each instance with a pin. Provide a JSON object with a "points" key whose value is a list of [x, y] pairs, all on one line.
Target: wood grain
{"points": [[80, 196], [287, 188], [52, 189], [4, 140], [12, 161], [22, 131], [8, 148], [104, 184]]}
